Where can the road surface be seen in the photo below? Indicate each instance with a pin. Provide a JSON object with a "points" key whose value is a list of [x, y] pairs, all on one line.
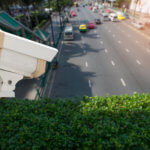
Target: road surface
{"points": [[110, 59]]}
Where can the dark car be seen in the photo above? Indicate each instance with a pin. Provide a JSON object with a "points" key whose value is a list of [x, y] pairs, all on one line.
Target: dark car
{"points": [[97, 21]]}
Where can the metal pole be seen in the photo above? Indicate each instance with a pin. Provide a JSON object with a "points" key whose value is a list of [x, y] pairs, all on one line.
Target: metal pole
{"points": [[51, 24]]}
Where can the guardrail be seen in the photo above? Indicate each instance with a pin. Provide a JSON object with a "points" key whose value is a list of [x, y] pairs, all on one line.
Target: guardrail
{"points": [[49, 65]]}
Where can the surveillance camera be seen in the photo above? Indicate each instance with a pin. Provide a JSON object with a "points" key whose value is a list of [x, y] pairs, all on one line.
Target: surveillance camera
{"points": [[19, 58]]}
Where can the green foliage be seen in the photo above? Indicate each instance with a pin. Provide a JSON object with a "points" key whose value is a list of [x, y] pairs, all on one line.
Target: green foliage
{"points": [[119, 3], [41, 24], [97, 123], [59, 5]]}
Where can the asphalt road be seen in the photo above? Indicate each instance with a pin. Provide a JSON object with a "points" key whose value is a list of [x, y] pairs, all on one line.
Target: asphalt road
{"points": [[110, 59]]}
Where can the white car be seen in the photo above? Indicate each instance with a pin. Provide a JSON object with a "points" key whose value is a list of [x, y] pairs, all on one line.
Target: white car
{"points": [[138, 24], [113, 17]]}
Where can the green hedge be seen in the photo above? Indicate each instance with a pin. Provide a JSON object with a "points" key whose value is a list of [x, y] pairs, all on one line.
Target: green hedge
{"points": [[97, 123]]}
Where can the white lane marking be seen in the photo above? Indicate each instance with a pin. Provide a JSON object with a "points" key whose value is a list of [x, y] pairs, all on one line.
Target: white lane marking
{"points": [[83, 42], [95, 31], [119, 42], [138, 62], [148, 50], [90, 83], [106, 50], [101, 42], [127, 50], [86, 64], [84, 51], [112, 62], [123, 82], [109, 31], [114, 35], [98, 35]]}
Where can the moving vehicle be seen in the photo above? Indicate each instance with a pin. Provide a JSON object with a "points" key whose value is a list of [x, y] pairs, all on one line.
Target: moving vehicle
{"points": [[90, 25], [73, 14], [91, 7], [120, 17], [82, 28], [97, 21], [105, 17], [108, 11], [113, 17], [94, 9], [68, 32]]}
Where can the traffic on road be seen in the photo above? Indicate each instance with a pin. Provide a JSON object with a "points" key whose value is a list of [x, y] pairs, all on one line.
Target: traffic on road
{"points": [[107, 55]]}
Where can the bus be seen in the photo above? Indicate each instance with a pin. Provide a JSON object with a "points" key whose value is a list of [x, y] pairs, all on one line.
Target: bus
{"points": [[68, 33]]}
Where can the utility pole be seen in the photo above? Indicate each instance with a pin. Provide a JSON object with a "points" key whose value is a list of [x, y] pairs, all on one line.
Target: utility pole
{"points": [[50, 13]]}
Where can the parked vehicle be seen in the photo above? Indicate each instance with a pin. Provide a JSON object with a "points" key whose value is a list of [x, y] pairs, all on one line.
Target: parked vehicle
{"points": [[113, 17], [68, 32], [90, 25], [138, 24]]}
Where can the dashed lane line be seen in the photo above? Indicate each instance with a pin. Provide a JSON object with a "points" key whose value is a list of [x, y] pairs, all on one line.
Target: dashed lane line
{"points": [[127, 50], [112, 62], [123, 82], [90, 83], [119, 42], [114, 35], [86, 64], [106, 51], [138, 62], [101, 42]]}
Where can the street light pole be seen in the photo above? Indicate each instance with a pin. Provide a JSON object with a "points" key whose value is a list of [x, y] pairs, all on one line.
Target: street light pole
{"points": [[50, 12]]}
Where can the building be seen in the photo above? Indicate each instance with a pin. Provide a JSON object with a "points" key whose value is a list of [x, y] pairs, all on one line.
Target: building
{"points": [[142, 6]]}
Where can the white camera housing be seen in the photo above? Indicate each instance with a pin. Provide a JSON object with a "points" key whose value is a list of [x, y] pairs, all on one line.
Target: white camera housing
{"points": [[19, 58]]}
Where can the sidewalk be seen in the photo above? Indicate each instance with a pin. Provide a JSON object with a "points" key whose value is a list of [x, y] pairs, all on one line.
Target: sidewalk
{"points": [[27, 88]]}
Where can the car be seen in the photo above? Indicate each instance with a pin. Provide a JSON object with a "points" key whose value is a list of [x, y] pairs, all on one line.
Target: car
{"points": [[82, 28], [73, 14], [113, 17], [94, 10], [120, 17], [105, 17], [139, 25], [108, 11], [97, 21], [91, 7], [90, 25]]}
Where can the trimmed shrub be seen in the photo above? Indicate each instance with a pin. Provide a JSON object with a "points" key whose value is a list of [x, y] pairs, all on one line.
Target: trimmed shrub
{"points": [[97, 123]]}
